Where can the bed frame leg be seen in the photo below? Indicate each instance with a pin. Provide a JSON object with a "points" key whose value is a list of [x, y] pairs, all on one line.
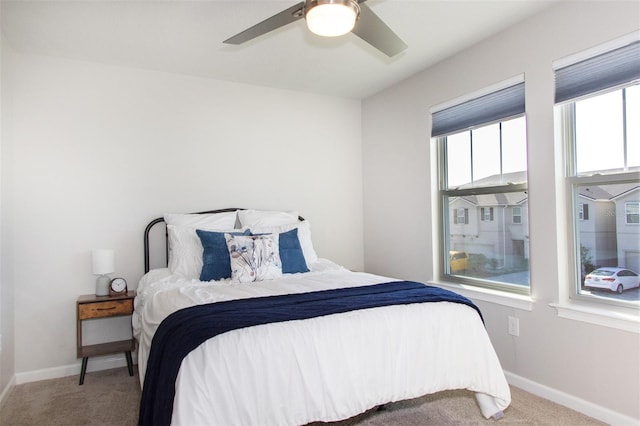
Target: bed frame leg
{"points": [[129, 362]]}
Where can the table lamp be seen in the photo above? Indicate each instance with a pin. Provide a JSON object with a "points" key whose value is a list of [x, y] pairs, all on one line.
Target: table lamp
{"points": [[102, 264]]}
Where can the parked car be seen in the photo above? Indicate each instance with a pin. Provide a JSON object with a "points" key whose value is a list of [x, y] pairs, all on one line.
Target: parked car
{"points": [[458, 261], [614, 279]]}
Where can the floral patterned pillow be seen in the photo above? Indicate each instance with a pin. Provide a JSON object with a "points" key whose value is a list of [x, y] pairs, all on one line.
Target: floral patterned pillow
{"points": [[254, 257]]}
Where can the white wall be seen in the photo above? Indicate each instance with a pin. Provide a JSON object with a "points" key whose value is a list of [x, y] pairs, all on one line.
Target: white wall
{"points": [[97, 151], [588, 364]]}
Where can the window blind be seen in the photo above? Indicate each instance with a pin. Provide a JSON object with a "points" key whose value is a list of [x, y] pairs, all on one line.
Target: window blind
{"points": [[609, 69], [495, 106]]}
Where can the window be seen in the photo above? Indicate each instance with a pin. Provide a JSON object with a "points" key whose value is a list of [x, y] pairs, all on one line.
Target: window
{"points": [[632, 213], [483, 189], [461, 216], [597, 106], [583, 211], [516, 215], [487, 214]]}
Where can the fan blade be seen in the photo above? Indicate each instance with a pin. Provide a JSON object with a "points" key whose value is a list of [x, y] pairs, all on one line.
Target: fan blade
{"points": [[276, 21], [374, 31]]}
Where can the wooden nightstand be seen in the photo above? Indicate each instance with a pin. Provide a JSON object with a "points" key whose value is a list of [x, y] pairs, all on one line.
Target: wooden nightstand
{"points": [[90, 306]]}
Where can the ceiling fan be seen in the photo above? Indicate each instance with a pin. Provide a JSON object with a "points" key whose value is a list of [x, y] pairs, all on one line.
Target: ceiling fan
{"points": [[330, 18]]}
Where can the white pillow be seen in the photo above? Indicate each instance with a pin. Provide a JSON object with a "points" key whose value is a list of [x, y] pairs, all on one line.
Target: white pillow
{"points": [[251, 218], [185, 248], [254, 257], [225, 220], [304, 235]]}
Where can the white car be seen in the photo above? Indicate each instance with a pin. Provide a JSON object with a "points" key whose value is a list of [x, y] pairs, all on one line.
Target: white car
{"points": [[614, 279]]}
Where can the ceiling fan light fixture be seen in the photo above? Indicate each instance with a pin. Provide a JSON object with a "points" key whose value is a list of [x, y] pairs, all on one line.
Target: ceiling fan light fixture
{"points": [[331, 18]]}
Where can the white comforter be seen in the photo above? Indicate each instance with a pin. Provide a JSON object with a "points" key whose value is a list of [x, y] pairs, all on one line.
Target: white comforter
{"points": [[327, 368]]}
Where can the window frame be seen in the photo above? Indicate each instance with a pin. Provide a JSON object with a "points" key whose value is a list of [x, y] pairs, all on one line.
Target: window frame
{"points": [[618, 317], [492, 104], [444, 194], [626, 213], [572, 181], [486, 214], [583, 211], [461, 219], [514, 215]]}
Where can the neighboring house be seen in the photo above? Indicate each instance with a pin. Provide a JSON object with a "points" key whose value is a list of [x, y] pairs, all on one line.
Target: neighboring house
{"points": [[628, 228], [494, 225], [597, 227], [609, 225]]}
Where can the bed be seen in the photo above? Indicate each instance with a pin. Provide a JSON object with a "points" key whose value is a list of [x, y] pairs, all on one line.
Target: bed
{"points": [[246, 325]]}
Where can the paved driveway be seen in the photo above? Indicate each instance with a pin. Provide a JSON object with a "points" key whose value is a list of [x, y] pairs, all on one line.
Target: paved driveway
{"points": [[632, 294], [522, 278]]}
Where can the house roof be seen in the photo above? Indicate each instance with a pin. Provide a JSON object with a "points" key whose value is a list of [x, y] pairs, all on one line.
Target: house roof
{"points": [[501, 199], [608, 192], [497, 179], [492, 200]]}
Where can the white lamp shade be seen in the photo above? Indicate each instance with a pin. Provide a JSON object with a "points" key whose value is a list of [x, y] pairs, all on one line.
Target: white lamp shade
{"points": [[332, 19], [102, 261]]}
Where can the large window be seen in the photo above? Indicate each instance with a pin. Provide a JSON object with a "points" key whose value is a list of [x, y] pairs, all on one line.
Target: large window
{"points": [[482, 149], [598, 105]]}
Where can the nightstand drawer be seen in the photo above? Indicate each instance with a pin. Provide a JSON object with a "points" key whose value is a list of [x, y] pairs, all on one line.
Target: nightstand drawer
{"points": [[107, 308]]}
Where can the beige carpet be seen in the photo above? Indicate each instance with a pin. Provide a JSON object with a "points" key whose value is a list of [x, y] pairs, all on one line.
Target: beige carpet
{"points": [[111, 398]]}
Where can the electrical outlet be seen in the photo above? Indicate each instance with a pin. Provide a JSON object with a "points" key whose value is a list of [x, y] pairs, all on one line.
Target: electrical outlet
{"points": [[514, 326]]}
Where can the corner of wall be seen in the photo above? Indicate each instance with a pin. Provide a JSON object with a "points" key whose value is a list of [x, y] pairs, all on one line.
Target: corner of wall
{"points": [[7, 364], [6, 391]]}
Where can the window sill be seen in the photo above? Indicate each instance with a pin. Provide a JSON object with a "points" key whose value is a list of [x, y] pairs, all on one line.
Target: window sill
{"points": [[596, 315], [517, 301]]}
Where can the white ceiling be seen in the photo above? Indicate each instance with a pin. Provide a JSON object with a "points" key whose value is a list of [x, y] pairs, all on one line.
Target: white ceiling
{"points": [[184, 36]]}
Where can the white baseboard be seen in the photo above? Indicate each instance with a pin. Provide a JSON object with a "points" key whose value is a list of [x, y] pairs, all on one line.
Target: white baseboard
{"points": [[94, 364], [585, 407], [7, 390]]}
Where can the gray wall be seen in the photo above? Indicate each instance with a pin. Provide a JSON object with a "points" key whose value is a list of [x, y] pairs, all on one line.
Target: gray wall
{"points": [[574, 360]]}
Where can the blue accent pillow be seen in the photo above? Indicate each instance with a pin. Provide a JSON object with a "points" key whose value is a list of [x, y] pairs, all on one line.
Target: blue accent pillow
{"points": [[291, 254], [215, 258]]}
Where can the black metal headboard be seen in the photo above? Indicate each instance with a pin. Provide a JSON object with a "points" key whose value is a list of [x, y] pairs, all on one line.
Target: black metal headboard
{"points": [[154, 222]]}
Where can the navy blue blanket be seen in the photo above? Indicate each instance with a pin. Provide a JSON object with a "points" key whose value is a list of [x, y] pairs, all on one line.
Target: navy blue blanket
{"points": [[186, 329]]}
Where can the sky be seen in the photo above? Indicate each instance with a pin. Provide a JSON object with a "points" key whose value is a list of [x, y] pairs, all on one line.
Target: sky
{"points": [[600, 123], [481, 156], [599, 133]]}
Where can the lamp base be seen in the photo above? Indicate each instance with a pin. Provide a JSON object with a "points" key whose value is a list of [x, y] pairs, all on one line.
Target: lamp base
{"points": [[102, 285]]}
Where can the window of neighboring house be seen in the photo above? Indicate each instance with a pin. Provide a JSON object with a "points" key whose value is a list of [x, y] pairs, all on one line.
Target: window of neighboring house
{"points": [[632, 213], [597, 106], [516, 215], [583, 211], [461, 216], [487, 214], [482, 159]]}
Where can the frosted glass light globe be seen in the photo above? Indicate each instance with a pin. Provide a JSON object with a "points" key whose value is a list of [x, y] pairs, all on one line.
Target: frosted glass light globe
{"points": [[332, 19]]}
